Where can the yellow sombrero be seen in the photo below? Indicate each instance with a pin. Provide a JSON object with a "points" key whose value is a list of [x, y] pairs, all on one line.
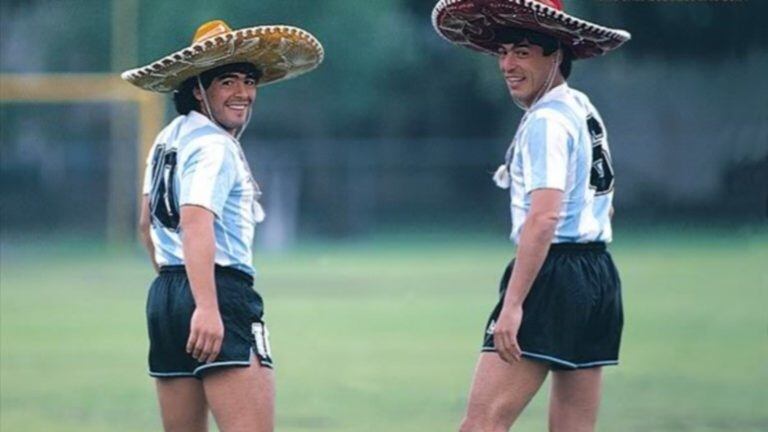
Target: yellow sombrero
{"points": [[280, 52]]}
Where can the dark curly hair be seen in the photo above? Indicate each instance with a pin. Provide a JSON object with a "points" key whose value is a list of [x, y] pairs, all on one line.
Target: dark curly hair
{"points": [[547, 43], [184, 97]]}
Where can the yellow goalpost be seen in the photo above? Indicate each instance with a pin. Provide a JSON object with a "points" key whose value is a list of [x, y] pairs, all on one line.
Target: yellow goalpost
{"points": [[88, 88], [77, 88]]}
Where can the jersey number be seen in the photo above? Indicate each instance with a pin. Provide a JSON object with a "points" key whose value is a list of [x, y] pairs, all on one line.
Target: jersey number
{"points": [[162, 202], [601, 175]]}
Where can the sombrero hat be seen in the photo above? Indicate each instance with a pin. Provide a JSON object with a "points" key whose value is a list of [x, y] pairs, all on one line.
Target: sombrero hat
{"points": [[472, 23], [280, 52]]}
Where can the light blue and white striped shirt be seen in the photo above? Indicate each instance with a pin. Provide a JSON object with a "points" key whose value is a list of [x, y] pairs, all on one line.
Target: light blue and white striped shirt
{"points": [[195, 162], [562, 144]]}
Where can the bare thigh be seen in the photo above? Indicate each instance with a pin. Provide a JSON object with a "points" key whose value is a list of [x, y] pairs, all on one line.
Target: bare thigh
{"points": [[182, 404], [575, 400], [242, 399], [500, 391]]}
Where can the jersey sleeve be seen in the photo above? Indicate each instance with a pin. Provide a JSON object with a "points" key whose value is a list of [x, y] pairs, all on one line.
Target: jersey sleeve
{"points": [[207, 175], [544, 150]]}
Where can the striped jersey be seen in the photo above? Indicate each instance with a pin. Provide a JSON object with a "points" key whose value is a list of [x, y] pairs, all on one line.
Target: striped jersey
{"points": [[195, 162], [561, 143]]}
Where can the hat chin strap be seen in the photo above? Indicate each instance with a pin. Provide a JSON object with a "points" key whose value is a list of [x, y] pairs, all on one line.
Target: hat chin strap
{"points": [[547, 84], [207, 104], [245, 125]]}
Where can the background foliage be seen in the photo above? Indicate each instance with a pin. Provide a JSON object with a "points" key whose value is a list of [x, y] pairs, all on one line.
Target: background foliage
{"points": [[397, 126]]}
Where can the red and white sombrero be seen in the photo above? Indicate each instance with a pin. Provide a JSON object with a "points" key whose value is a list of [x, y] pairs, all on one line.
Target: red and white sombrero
{"points": [[472, 23], [279, 52]]}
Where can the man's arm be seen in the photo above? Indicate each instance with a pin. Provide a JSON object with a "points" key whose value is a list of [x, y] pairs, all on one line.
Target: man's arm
{"points": [[144, 227], [206, 328], [535, 238]]}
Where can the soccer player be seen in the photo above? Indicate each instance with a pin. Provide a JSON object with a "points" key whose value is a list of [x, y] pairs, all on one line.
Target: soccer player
{"points": [[209, 346], [560, 299]]}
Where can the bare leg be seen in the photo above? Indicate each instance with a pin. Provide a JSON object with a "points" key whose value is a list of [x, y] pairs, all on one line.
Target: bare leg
{"points": [[242, 399], [500, 391], [182, 404], [575, 400]]}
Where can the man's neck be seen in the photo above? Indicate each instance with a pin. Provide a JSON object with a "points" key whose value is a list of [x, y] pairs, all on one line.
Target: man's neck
{"points": [[557, 82], [203, 113]]}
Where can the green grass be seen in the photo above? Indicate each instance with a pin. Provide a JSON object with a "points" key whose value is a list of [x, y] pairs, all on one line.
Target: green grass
{"points": [[383, 335]]}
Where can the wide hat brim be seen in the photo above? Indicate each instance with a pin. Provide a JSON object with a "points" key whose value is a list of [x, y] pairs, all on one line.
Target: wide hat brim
{"points": [[280, 52], [472, 23]]}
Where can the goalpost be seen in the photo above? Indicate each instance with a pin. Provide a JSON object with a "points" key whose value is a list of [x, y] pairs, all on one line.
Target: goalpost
{"points": [[94, 88], [68, 88]]}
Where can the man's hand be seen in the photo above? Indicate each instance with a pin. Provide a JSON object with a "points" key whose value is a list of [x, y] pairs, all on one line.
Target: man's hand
{"points": [[505, 333], [206, 332]]}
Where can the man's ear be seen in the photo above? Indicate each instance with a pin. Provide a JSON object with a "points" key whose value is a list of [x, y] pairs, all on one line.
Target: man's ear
{"points": [[196, 93]]}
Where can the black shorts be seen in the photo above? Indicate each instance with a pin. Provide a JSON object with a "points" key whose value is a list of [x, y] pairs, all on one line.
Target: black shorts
{"points": [[572, 316], [169, 310]]}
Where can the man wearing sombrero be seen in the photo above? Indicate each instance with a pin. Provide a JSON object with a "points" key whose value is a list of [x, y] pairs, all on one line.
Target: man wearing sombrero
{"points": [[560, 298], [209, 347]]}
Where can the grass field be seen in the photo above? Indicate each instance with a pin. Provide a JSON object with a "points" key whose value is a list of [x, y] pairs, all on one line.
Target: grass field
{"points": [[382, 336]]}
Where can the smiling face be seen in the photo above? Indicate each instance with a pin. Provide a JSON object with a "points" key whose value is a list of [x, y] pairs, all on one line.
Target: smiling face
{"points": [[230, 97], [526, 70]]}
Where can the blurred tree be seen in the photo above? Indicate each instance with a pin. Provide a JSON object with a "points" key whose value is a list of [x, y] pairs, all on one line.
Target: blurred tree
{"points": [[54, 36], [692, 30], [397, 119]]}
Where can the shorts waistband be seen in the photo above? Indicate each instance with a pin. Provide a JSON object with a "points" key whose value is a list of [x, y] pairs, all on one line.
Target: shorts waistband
{"points": [[180, 269], [591, 246]]}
